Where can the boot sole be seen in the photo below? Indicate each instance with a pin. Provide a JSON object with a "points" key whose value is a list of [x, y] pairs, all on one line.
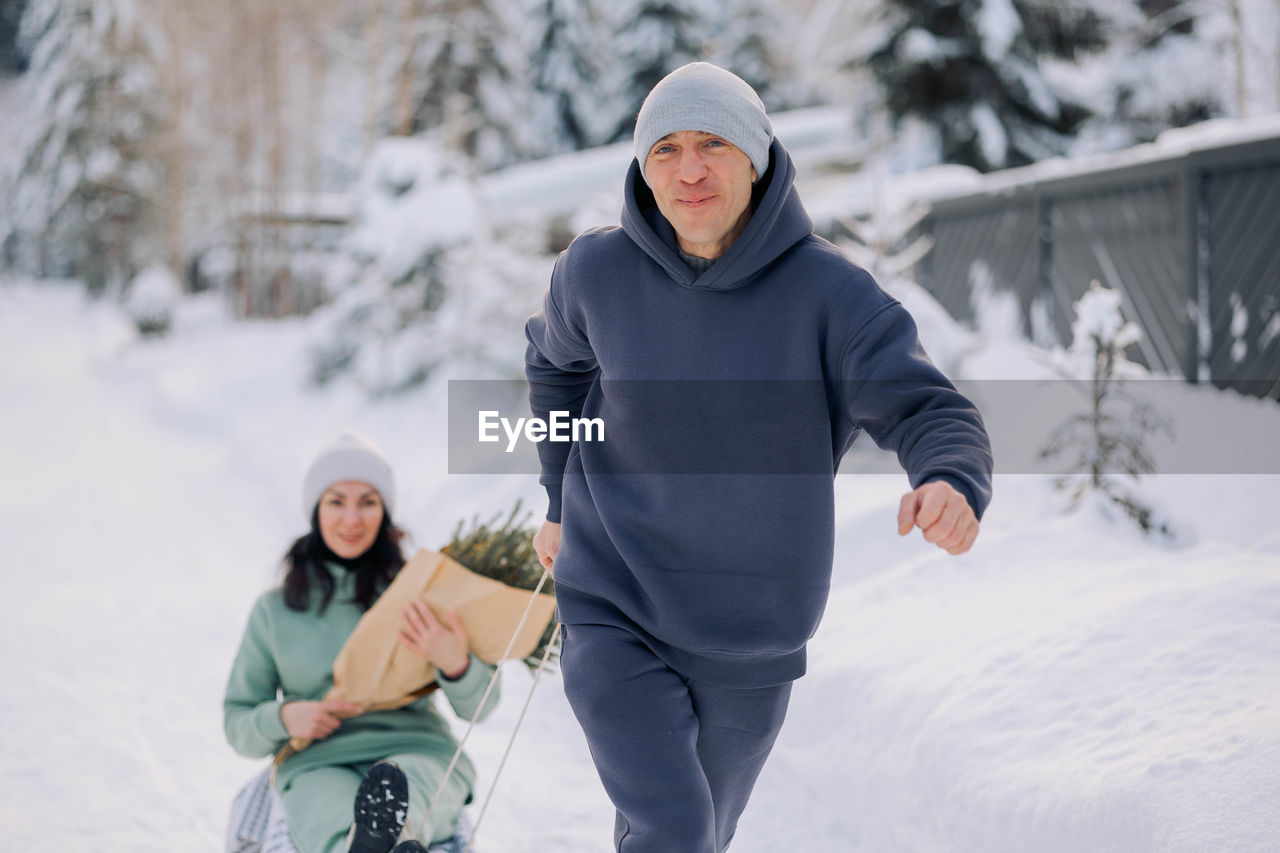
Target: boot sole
{"points": [[381, 806]]}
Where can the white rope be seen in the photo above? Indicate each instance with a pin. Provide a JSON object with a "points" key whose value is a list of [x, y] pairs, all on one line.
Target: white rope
{"points": [[493, 679], [475, 830]]}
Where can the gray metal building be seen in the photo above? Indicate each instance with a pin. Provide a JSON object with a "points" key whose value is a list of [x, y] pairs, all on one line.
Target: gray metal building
{"points": [[1189, 237]]}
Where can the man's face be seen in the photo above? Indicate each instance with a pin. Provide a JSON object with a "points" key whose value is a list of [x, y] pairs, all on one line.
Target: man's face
{"points": [[702, 184]]}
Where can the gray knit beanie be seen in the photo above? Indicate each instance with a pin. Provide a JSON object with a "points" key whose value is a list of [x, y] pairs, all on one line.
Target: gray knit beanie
{"points": [[700, 96], [348, 457]]}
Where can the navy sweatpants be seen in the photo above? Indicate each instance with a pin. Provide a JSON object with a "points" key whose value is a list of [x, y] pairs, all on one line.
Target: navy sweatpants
{"points": [[677, 757]]}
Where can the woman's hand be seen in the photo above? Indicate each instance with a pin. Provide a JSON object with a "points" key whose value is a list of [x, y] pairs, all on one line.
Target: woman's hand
{"points": [[315, 720], [442, 641]]}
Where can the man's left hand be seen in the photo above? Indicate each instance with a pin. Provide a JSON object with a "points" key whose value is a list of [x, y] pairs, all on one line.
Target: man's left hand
{"points": [[944, 515]]}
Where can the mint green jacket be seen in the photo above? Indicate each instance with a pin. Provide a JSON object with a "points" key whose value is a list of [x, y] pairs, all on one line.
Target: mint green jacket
{"points": [[287, 655]]}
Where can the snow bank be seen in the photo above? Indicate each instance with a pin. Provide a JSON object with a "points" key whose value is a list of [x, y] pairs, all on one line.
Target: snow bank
{"points": [[1065, 687]]}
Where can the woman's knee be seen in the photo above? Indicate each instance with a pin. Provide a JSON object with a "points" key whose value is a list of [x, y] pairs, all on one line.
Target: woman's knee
{"points": [[318, 807], [425, 775]]}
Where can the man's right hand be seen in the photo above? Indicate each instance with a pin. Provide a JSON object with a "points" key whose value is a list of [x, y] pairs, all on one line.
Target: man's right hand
{"points": [[315, 720], [546, 542]]}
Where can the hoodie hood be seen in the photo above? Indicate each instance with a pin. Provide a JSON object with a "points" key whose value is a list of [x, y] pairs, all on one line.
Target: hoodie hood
{"points": [[778, 221]]}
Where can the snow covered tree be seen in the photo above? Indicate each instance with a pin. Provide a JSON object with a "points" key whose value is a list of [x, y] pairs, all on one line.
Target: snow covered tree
{"points": [[970, 69], [1137, 85], [423, 282], [595, 61], [566, 50], [464, 62], [11, 59], [1107, 444], [999, 83], [649, 39], [83, 200], [744, 39]]}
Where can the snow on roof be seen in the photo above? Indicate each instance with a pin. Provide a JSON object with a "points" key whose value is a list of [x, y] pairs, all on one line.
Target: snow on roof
{"points": [[1173, 143], [831, 197]]}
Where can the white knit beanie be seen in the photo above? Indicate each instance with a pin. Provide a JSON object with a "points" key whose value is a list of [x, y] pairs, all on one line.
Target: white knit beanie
{"points": [[348, 457], [700, 96]]}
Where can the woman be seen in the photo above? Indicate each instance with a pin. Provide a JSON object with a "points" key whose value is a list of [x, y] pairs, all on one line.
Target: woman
{"points": [[348, 789]]}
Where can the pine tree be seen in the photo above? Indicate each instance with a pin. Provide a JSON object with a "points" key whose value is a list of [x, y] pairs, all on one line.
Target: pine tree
{"points": [[971, 70], [11, 59], [593, 62], [1106, 447], [744, 39], [566, 51], [1150, 43], [83, 201], [466, 63], [650, 39]]}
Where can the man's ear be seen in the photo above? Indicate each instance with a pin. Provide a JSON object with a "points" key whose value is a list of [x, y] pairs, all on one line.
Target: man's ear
{"points": [[754, 177]]}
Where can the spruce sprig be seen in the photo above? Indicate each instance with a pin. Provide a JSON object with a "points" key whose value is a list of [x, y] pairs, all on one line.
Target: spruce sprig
{"points": [[505, 553]]}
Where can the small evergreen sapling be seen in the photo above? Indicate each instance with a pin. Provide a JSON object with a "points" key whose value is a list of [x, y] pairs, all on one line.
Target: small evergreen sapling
{"points": [[1108, 442]]}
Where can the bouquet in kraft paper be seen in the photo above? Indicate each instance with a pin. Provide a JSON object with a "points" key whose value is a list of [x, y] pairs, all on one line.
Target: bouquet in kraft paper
{"points": [[377, 672]]}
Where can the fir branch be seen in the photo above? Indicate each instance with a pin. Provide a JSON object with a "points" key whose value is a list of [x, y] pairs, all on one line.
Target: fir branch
{"points": [[504, 552]]}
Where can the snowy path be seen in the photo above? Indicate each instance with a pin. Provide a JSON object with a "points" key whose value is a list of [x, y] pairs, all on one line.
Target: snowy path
{"points": [[1067, 687]]}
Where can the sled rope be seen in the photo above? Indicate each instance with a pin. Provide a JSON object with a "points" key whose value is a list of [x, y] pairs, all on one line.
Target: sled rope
{"points": [[475, 829], [493, 680]]}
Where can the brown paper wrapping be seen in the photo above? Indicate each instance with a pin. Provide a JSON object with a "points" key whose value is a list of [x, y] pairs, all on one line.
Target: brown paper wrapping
{"points": [[377, 672]]}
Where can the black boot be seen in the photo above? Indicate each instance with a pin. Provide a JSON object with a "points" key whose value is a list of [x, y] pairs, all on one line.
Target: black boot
{"points": [[381, 806], [409, 847]]}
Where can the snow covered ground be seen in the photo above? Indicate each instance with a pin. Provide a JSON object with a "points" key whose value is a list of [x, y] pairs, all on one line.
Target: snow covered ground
{"points": [[1066, 686]]}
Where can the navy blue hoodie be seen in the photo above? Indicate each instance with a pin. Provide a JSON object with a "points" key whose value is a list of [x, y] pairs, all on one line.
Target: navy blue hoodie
{"points": [[704, 522]]}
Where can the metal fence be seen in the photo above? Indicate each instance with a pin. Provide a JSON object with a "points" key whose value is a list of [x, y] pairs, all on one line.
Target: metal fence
{"points": [[1189, 237]]}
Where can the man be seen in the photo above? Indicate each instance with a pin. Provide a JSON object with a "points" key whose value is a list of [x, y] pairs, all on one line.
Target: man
{"points": [[733, 357]]}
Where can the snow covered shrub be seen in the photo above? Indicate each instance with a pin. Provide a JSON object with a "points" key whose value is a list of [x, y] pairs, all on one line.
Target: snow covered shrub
{"points": [[1108, 442], [413, 199], [151, 298], [423, 281], [392, 337]]}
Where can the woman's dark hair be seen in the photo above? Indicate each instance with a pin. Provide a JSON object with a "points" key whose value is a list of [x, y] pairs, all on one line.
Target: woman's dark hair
{"points": [[306, 558]]}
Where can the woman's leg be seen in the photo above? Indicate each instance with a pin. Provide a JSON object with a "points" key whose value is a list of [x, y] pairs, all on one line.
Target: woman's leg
{"points": [[319, 807], [424, 773]]}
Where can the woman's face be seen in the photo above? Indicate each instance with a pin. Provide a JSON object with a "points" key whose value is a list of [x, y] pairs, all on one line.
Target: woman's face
{"points": [[350, 515]]}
